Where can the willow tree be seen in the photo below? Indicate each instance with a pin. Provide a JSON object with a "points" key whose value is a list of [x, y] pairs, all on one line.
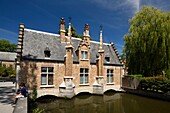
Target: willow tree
{"points": [[147, 44]]}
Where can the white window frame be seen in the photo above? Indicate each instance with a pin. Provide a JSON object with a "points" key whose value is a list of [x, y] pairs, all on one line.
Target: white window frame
{"points": [[110, 76], [47, 73], [84, 55], [84, 75]]}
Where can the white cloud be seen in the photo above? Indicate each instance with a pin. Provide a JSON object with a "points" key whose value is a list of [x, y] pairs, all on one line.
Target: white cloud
{"points": [[131, 6], [8, 35], [160, 4]]}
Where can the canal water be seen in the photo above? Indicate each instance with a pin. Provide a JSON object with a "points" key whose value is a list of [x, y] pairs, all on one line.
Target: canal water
{"points": [[108, 103]]}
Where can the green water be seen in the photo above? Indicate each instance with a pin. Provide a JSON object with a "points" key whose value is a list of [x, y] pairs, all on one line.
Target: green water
{"points": [[110, 103]]}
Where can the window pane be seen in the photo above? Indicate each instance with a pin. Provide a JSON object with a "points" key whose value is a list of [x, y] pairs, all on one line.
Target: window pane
{"points": [[85, 54], [86, 70], [86, 78], [50, 79], [82, 54], [50, 69], [43, 69], [107, 71], [111, 79], [81, 79], [81, 70], [43, 79], [107, 79], [111, 71]]}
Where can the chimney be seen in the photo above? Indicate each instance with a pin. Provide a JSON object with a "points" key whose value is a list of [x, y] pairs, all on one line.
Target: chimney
{"points": [[86, 31], [62, 30], [86, 34]]}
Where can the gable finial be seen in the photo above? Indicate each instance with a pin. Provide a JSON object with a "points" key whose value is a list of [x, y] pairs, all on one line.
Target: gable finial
{"points": [[101, 27]]}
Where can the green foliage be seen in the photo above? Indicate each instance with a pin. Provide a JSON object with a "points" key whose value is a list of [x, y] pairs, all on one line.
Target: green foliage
{"points": [[7, 71], [147, 45], [156, 84], [38, 110], [33, 95], [134, 76], [6, 46]]}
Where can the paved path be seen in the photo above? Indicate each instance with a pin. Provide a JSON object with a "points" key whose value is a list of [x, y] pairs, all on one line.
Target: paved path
{"points": [[7, 91]]}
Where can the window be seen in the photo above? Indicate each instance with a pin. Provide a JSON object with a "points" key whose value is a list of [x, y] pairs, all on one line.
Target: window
{"points": [[83, 76], [47, 75], [107, 59], [47, 52], [84, 55], [109, 75]]}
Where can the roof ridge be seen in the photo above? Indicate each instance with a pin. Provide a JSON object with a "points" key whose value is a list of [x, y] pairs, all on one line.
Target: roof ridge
{"points": [[43, 32], [48, 33]]}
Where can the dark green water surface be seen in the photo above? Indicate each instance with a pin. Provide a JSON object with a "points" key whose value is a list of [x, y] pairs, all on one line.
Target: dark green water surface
{"points": [[108, 103]]}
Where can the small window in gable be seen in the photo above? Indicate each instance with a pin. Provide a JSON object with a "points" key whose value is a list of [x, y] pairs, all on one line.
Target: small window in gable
{"points": [[107, 59], [84, 55], [47, 52]]}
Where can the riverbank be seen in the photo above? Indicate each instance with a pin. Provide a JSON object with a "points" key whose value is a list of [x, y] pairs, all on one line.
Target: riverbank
{"points": [[149, 94]]}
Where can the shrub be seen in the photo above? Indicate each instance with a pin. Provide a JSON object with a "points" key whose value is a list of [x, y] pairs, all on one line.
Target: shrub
{"points": [[134, 76], [7, 71], [156, 84]]}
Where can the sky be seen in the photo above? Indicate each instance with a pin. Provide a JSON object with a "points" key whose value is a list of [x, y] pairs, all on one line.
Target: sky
{"points": [[44, 15]]}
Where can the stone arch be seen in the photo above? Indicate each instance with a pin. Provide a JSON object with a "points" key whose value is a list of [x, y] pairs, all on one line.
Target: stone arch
{"points": [[109, 90], [46, 95], [83, 90]]}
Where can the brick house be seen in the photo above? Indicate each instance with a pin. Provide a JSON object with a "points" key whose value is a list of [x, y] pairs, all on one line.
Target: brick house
{"points": [[55, 64], [8, 58]]}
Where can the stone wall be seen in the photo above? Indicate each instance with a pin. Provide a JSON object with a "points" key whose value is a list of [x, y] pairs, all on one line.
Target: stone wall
{"points": [[21, 106], [131, 83]]}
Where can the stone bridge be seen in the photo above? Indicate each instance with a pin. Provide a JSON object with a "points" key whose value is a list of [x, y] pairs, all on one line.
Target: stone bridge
{"points": [[67, 92]]}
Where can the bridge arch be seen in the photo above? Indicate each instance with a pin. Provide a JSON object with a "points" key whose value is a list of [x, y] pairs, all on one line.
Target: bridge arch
{"points": [[45, 97], [83, 90], [109, 90]]}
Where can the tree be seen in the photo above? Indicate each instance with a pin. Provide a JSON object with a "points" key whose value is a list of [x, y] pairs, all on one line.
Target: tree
{"points": [[7, 71], [6, 46], [147, 45]]}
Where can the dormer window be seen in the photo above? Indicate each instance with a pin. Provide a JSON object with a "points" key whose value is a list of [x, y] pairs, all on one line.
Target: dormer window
{"points": [[84, 55], [47, 52], [107, 59]]}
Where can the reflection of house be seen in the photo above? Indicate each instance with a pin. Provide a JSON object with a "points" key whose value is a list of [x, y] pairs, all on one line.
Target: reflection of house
{"points": [[8, 58], [65, 66]]}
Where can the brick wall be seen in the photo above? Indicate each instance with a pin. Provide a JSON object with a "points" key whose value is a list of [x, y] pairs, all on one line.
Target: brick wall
{"points": [[32, 72]]}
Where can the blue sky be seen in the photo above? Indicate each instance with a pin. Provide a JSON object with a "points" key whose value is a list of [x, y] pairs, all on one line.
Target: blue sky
{"points": [[44, 15]]}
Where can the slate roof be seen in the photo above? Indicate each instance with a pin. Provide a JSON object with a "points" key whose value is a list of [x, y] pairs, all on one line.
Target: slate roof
{"points": [[35, 42], [7, 56]]}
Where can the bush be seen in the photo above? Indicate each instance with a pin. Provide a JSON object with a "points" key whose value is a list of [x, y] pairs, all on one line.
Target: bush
{"points": [[156, 84], [7, 71], [134, 76]]}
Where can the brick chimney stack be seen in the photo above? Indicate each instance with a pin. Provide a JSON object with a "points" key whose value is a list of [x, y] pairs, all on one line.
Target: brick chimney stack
{"points": [[62, 30], [86, 34]]}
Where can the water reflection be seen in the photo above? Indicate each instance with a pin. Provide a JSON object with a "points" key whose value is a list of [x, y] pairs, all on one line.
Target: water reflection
{"points": [[109, 103]]}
